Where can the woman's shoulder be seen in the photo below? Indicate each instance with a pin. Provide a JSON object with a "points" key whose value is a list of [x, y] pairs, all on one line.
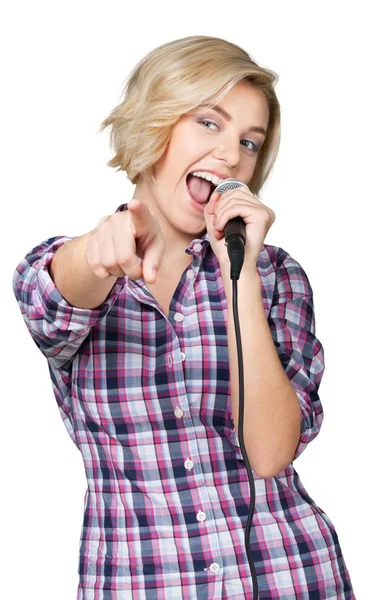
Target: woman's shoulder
{"points": [[274, 254], [289, 273], [278, 257]]}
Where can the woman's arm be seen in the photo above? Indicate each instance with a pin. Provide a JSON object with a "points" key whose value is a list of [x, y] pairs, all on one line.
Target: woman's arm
{"points": [[57, 327], [271, 408]]}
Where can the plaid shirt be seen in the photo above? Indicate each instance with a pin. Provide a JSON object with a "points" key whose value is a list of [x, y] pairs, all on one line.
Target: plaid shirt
{"points": [[146, 399]]}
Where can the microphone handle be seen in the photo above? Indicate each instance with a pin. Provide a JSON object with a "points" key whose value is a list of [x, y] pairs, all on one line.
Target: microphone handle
{"points": [[234, 231], [234, 226]]}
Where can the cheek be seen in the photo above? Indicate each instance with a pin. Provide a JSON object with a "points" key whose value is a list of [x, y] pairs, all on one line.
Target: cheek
{"points": [[186, 148]]}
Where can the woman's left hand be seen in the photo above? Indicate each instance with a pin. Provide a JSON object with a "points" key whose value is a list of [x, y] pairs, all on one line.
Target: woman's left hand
{"points": [[239, 202]]}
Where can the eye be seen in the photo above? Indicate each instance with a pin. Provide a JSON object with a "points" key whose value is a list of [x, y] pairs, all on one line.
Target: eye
{"points": [[254, 147], [204, 121]]}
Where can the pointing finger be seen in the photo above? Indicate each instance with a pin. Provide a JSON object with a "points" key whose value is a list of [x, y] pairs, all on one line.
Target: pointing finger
{"points": [[152, 258], [141, 216]]}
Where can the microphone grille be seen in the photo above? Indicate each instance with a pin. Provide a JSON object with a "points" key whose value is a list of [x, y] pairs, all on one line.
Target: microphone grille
{"points": [[229, 184]]}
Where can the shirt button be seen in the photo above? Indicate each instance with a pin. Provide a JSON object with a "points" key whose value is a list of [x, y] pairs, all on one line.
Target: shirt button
{"points": [[169, 360], [190, 274], [197, 247], [182, 355], [188, 464], [201, 516], [215, 567], [178, 412], [178, 317]]}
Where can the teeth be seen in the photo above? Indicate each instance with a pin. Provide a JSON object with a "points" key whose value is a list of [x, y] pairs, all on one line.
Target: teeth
{"points": [[209, 176]]}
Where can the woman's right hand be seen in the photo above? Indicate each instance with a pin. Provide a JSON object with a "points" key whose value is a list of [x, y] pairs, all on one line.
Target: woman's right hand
{"points": [[115, 246]]}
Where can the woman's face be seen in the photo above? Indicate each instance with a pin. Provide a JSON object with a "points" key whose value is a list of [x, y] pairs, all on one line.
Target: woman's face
{"points": [[201, 141]]}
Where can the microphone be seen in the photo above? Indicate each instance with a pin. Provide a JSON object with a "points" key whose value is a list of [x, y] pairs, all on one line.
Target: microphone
{"points": [[234, 231]]}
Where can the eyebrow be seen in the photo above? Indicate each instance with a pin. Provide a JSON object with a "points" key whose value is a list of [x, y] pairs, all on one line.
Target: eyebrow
{"points": [[228, 117]]}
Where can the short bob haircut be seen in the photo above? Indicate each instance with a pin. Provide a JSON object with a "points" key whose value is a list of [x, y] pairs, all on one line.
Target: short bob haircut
{"points": [[173, 80]]}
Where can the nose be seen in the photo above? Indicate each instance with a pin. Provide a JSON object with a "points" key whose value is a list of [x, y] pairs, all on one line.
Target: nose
{"points": [[229, 151]]}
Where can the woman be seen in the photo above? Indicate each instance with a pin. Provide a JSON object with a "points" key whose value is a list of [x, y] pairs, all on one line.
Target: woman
{"points": [[135, 320]]}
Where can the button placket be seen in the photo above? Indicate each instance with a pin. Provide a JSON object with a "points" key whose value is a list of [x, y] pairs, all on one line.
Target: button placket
{"points": [[201, 516]]}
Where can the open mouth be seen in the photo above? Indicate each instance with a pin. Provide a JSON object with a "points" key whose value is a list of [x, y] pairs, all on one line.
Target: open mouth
{"points": [[199, 189]]}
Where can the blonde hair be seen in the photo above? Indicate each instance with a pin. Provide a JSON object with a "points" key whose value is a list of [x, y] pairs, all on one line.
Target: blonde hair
{"points": [[174, 79]]}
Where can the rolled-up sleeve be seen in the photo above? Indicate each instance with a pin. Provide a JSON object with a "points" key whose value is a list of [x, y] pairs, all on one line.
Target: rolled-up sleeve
{"points": [[292, 324], [57, 327]]}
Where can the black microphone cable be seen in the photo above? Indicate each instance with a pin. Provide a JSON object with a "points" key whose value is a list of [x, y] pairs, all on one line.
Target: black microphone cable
{"points": [[235, 241]]}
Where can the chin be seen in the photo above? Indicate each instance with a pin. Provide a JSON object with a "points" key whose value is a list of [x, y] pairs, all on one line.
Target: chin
{"points": [[190, 230]]}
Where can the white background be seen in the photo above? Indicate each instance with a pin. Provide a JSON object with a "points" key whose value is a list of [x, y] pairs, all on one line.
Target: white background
{"points": [[63, 68]]}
